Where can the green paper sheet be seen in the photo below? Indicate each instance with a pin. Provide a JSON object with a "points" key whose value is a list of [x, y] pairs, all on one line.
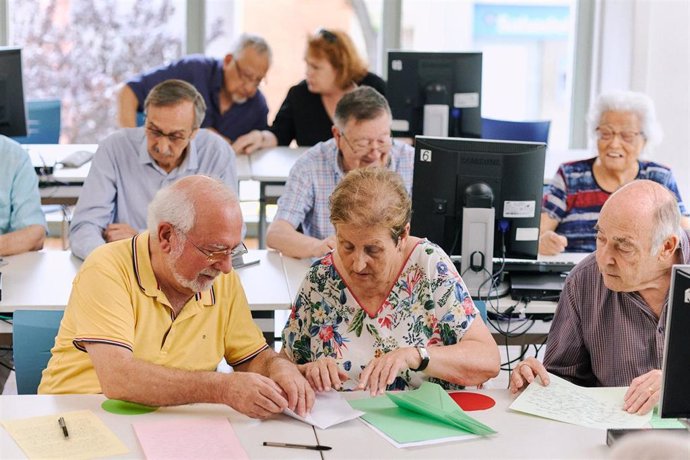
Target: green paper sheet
{"points": [[412, 423], [115, 406], [658, 422]]}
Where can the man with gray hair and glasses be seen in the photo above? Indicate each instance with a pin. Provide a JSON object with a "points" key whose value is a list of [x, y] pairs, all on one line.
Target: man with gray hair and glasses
{"points": [[361, 138], [609, 326], [150, 317], [229, 86], [133, 163]]}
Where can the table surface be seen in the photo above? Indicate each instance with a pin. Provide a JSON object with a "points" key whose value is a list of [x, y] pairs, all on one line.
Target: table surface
{"points": [[42, 280], [519, 435]]}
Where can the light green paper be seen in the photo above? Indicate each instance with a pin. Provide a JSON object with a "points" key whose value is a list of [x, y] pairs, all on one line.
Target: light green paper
{"points": [[658, 422], [410, 425]]}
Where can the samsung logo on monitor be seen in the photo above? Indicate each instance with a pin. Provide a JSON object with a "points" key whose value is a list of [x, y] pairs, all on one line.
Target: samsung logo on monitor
{"points": [[480, 161]]}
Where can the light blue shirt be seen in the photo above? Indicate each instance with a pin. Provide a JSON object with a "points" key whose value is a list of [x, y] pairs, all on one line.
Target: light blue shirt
{"points": [[124, 178], [20, 202], [313, 178]]}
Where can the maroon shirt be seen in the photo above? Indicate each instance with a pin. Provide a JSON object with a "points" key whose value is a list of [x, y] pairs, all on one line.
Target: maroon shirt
{"points": [[604, 338]]}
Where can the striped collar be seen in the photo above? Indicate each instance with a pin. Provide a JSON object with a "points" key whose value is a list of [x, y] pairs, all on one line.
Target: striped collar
{"points": [[143, 271]]}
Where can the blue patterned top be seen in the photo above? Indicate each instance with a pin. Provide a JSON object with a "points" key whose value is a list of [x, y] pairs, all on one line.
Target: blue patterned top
{"points": [[574, 199], [428, 305]]}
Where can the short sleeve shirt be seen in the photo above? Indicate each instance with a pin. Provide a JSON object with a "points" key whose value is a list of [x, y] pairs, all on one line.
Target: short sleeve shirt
{"points": [[116, 300], [428, 305]]}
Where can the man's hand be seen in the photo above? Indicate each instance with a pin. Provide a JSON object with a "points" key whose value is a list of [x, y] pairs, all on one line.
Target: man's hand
{"points": [[323, 374], [551, 243], [300, 395], [254, 395], [324, 246], [382, 371], [525, 372], [248, 143], [115, 232], [643, 393]]}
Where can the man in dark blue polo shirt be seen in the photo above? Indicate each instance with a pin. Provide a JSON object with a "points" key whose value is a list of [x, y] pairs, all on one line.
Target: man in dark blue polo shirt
{"points": [[234, 105]]}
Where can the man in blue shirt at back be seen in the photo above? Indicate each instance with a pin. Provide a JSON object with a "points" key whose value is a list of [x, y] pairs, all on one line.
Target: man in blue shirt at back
{"points": [[22, 223], [234, 105], [133, 163]]}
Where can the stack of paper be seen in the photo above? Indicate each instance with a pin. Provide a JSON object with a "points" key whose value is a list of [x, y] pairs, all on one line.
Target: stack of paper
{"points": [[419, 417], [591, 407]]}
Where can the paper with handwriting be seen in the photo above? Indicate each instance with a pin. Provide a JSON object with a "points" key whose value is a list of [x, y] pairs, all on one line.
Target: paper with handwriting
{"points": [[42, 437], [567, 402]]}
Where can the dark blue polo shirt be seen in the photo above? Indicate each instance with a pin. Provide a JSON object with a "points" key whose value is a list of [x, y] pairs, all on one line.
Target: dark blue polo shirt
{"points": [[206, 74]]}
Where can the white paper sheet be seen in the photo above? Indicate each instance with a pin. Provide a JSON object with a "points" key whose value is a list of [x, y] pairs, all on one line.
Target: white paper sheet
{"points": [[330, 408], [567, 402]]}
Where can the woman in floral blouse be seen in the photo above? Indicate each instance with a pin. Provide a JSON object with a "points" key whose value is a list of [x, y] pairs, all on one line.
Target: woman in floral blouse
{"points": [[385, 310]]}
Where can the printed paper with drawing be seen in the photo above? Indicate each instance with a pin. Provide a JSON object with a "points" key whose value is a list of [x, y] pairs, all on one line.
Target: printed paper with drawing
{"points": [[567, 402]]}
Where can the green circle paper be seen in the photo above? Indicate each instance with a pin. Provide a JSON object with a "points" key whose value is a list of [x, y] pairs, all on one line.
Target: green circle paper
{"points": [[116, 406]]}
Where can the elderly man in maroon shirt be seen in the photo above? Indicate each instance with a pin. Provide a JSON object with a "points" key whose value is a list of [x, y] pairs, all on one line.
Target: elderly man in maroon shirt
{"points": [[609, 325]]}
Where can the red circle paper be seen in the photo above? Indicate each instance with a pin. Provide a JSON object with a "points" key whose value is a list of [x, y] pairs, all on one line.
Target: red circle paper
{"points": [[472, 401]]}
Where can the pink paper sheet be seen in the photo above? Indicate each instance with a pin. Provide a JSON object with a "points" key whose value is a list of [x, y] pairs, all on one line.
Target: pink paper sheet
{"points": [[207, 438]]}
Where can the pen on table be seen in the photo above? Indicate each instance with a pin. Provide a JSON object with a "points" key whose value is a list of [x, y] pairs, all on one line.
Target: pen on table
{"points": [[296, 446], [61, 422]]}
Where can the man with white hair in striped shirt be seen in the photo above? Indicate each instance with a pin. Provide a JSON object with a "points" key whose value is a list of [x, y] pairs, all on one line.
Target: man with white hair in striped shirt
{"points": [[609, 326]]}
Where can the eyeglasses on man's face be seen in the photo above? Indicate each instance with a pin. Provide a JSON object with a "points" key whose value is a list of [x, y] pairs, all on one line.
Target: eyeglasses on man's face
{"points": [[177, 137], [364, 146], [217, 256], [606, 135], [246, 77]]}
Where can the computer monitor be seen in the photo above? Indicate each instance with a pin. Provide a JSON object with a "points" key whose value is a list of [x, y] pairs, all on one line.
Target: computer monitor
{"points": [[674, 401], [435, 94], [478, 198], [12, 110]]}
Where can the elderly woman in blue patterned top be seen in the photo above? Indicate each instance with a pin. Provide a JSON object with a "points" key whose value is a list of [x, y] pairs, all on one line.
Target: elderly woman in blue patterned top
{"points": [[385, 310]]}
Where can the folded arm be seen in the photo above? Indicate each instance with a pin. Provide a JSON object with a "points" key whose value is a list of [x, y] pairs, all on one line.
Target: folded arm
{"points": [[29, 238], [282, 236], [127, 104]]}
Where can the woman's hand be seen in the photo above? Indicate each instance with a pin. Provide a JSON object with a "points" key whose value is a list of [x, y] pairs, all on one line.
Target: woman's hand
{"points": [[381, 372], [323, 374], [551, 243]]}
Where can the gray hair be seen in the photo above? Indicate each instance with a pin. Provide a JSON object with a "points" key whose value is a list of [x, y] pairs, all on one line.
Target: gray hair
{"points": [[172, 92], [176, 203], [255, 42], [627, 101], [666, 222], [363, 103]]}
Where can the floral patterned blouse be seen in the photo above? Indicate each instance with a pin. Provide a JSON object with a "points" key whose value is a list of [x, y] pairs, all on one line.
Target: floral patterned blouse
{"points": [[428, 305]]}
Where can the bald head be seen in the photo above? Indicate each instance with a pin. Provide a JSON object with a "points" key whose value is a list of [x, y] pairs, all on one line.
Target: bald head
{"points": [[190, 199], [647, 207]]}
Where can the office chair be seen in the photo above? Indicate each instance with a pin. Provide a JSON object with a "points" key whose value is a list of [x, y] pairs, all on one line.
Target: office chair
{"points": [[43, 122], [33, 337], [533, 131]]}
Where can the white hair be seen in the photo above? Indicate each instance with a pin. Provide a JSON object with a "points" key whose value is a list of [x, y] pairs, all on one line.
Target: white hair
{"points": [[170, 204], [627, 101]]}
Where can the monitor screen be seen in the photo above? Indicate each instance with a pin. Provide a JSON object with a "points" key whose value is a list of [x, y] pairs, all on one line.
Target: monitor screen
{"points": [[12, 110], [675, 402], [435, 80], [444, 168]]}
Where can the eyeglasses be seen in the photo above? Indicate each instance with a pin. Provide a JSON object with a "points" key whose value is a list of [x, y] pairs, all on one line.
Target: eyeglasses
{"points": [[217, 256], [364, 146], [605, 134], [327, 35], [246, 77], [174, 138]]}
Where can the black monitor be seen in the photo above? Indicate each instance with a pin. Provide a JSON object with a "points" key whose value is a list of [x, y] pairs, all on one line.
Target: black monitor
{"points": [[496, 185], [440, 90], [674, 400], [12, 110]]}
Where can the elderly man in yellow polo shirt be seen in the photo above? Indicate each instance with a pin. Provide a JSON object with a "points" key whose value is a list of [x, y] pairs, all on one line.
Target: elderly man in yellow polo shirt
{"points": [[150, 317]]}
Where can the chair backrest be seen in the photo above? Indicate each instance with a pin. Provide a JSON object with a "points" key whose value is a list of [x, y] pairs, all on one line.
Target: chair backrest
{"points": [[43, 122], [33, 336], [533, 131], [141, 119], [481, 306]]}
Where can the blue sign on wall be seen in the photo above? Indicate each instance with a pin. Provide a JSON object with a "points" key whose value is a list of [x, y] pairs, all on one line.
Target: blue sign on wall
{"points": [[513, 21]]}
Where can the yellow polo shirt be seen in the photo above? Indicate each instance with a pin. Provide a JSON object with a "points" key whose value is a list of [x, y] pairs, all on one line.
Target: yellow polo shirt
{"points": [[115, 299]]}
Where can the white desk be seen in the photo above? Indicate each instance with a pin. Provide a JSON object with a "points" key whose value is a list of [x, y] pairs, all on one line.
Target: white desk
{"points": [[43, 281], [65, 184], [519, 435], [251, 433], [271, 167]]}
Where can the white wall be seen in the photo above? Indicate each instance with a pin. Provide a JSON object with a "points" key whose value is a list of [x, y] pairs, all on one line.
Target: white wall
{"points": [[661, 68]]}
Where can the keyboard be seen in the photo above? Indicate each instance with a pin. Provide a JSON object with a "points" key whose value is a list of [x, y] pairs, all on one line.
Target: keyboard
{"points": [[535, 266]]}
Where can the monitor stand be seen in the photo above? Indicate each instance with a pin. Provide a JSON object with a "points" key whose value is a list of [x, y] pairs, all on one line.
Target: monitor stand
{"points": [[436, 120], [476, 265]]}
